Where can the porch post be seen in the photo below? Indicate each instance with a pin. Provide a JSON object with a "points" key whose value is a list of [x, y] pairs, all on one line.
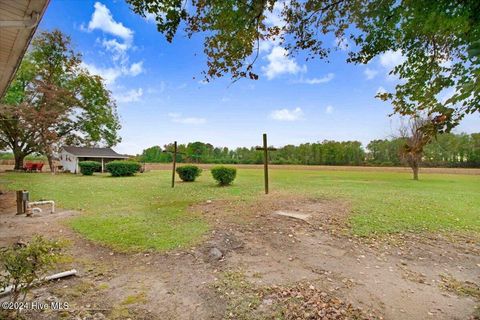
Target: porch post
{"points": [[102, 165]]}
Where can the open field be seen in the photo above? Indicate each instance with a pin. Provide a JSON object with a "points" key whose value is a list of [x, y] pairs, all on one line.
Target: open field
{"points": [[468, 171], [140, 212], [8, 165], [377, 245]]}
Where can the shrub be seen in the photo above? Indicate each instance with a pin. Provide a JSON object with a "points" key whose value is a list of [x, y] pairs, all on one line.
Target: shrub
{"points": [[24, 264], [224, 175], [87, 168], [189, 173], [121, 168]]}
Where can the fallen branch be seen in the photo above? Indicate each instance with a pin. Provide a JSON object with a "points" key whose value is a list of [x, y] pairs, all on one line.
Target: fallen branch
{"points": [[64, 274]]}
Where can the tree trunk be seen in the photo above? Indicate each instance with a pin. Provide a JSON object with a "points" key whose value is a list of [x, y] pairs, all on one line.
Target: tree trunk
{"points": [[19, 157], [415, 172], [50, 163]]}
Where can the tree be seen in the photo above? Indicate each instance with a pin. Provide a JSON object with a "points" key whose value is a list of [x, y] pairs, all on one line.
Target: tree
{"points": [[155, 154], [53, 100], [437, 40], [17, 132], [385, 152], [416, 136]]}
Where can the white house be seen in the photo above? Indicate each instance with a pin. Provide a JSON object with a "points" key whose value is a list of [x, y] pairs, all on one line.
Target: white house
{"points": [[69, 157]]}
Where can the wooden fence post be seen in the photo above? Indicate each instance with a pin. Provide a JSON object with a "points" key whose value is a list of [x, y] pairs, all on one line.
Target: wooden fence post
{"points": [[174, 163], [20, 205]]}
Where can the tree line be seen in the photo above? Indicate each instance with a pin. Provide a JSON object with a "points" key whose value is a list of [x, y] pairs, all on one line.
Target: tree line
{"points": [[446, 150]]}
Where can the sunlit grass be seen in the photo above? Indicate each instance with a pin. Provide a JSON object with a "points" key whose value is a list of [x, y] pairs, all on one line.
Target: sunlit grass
{"points": [[143, 212]]}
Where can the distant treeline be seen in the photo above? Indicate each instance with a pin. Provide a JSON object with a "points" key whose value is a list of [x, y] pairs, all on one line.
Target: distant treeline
{"points": [[447, 150]]}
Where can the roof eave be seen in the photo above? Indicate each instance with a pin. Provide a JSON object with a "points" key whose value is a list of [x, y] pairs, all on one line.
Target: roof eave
{"points": [[12, 71]]}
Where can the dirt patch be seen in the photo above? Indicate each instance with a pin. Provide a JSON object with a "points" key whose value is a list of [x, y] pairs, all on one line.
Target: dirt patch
{"points": [[280, 259], [302, 300], [7, 201], [323, 214], [14, 228], [397, 276]]}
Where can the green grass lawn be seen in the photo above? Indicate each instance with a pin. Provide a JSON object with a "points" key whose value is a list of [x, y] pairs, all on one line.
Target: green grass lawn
{"points": [[143, 212]]}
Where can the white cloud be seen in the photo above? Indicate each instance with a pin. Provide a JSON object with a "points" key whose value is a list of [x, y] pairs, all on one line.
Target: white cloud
{"points": [[114, 45], [329, 77], [130, 96], [287, 115], [118, 49], [110, 75], [390, 59], [150, 17], [118, 65], [280, 63], [329, 109], [136, 68], [267, 45], [177, 118], [370, 73], [102, 19], [274, 18], [381, 90]]}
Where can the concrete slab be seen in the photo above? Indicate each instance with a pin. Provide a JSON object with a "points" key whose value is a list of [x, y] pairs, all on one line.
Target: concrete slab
{"points": [[293, 214]]}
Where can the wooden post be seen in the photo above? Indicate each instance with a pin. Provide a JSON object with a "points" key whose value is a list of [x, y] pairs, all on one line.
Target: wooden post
{"points": [[174, 163], [20, 202], [265, 161], [265, 149], [102, 166], [174, 153]]}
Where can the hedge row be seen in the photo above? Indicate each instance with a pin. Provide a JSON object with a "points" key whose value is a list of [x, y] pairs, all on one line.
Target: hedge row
{"points": [[87, 168], [118, 168], [223, 175], [121, 168], [189, 173]]}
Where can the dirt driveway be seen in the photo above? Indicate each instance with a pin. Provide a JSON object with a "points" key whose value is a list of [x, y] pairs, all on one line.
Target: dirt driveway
{"points": [[282, 256]]}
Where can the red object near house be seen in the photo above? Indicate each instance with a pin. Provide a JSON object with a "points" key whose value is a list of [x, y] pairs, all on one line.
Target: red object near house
{"points": [[31, 167], [28, 166]]}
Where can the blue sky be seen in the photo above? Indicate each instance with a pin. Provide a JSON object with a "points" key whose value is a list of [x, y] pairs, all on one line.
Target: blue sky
{"points": [[161, 97]]}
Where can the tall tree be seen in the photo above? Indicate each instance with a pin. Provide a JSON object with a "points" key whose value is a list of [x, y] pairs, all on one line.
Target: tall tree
{"points": [[53, 100], [416, 136], [437, 40]]}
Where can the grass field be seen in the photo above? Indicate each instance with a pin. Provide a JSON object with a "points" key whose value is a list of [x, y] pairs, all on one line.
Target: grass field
{"points": [[143, 212]]}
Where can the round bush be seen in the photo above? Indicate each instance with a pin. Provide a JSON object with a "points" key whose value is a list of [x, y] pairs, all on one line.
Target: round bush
{"points": [[189, 173], [121, 168], [224, 175], [87, 168]]}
